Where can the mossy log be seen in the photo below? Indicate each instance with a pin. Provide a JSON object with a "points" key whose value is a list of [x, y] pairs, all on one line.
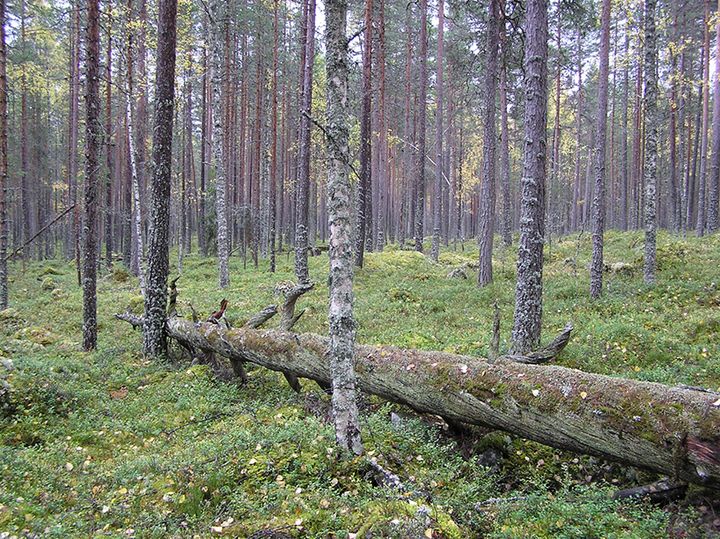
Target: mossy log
{"points": [[670, 430]]}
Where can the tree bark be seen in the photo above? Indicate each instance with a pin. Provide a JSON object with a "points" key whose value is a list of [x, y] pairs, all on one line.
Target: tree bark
{"points": [[93, 140], [340, 317], [220, 19], [109, 144], [303, 185], [363, 194], [507, 217], [666, 429], [702, 185], [439, 158], [714, 181], [158, 244], [651, 135], [528, 292], [598, 207], [487, 188], [3, 161], [421, 115]]}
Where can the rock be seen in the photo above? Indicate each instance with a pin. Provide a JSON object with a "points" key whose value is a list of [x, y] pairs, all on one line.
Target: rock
{"points": [[621, 268], [457, 273]]}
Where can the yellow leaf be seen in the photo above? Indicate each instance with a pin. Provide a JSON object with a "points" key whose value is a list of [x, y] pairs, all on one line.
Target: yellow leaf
{"points": [[429, 533], [583, 395]]}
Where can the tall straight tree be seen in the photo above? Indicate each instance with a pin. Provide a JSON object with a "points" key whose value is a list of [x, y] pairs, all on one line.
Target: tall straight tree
{"points": [[651, 136], [3, 161], [93, 140], [110, 162], [342, 324], [713, 210], [154, 343], [701, 187], [421, 117], [439, 157], [507, 217], [303, 185], [598, 206], [220, 20], [72, 236], [365, 141], [528, 292], [273, 140], [487, 188]]}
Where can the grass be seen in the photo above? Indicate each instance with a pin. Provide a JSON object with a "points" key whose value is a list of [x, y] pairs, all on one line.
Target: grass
{"points": [[112, 444]]}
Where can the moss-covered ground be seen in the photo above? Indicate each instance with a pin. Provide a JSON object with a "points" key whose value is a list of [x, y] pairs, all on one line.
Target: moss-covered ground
{"points": [[112, 444]]}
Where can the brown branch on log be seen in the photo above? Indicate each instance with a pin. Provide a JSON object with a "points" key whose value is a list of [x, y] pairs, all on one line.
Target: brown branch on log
{"points": [[665, 429], [547, 353]]}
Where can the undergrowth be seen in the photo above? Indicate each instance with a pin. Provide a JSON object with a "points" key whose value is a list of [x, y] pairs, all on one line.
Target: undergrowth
{"points": [[113, 444]]}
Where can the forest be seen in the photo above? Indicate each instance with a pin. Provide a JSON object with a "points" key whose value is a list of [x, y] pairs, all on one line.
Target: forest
{"points": [[360, 269]]}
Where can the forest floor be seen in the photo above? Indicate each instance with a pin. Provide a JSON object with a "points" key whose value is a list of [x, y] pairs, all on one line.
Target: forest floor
{"points": [[112, 444]]}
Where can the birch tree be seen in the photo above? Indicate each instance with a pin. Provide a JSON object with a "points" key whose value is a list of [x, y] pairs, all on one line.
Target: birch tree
{"points": [[342, 324]]}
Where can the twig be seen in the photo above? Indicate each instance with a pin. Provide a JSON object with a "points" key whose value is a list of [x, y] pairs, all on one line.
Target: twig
{"points": [[346, 158], [39, 232]]}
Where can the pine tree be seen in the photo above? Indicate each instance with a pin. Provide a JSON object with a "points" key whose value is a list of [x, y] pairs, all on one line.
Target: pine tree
{"points": [[159, 219], [528, 292], [93, 140]]}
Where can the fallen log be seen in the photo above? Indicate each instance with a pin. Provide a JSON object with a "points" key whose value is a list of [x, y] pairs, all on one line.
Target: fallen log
{"points": [[670, 430]]}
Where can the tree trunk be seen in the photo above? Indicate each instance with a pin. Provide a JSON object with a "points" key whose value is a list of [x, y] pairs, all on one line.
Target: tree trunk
{"points": [[303, 185], [623, 136], [421, 114], [437, 202], [598, 207], [93, 140], [3, 161], [158, 244], [702, 185], [220, 19], [507, 217], [528, 292], [665, 429], [487, 188], [651, 135], [273, 140], [576, 216], [714, 182], [363, 191], [383, 180], [109, 145], [341, 322], [73, 230]]}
